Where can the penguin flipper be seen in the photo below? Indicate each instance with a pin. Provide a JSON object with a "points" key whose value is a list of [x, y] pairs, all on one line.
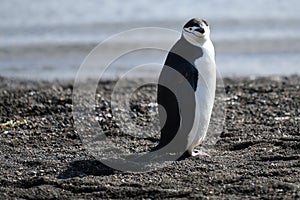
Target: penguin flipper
{"points": [[169, 115]]}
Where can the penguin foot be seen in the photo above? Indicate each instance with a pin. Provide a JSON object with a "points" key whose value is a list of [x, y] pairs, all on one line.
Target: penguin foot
{"points": [[199, 153]]}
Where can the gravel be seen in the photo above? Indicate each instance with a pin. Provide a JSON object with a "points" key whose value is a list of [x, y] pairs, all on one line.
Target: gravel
{"points": [[257, 153]]}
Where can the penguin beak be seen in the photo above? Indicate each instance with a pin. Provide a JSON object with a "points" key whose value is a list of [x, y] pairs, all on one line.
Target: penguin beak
{"points": [[200, 30]]}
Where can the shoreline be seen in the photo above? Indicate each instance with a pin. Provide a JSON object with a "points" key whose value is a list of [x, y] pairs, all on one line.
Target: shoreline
{"points": [[243, 57], [256, 156]]}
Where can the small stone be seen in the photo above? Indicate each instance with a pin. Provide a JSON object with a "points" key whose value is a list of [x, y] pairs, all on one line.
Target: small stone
{"points": [[18, 173]]}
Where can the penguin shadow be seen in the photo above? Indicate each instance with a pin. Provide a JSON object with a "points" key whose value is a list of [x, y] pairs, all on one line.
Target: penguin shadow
{"points": [[82, 168]]}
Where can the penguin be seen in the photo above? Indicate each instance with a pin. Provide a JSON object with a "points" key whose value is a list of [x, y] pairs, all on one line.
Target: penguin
{"points": [[186, 97]]}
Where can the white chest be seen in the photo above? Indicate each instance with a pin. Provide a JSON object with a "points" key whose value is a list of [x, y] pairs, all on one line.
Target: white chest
{"points": [[206, 67], [206, 63], [205, 94]]}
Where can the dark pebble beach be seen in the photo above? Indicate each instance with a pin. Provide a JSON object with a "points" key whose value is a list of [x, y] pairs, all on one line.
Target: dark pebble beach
{"points": [[256, 154]]}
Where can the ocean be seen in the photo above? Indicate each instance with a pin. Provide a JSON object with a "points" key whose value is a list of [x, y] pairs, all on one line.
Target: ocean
{"points": [[50, 39]]}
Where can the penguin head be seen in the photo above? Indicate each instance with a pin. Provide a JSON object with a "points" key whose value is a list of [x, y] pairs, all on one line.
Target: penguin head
{"points": [[196, 31]]}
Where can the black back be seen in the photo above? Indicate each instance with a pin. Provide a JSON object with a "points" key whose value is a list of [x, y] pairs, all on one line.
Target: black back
{"points": [[181, 58]]}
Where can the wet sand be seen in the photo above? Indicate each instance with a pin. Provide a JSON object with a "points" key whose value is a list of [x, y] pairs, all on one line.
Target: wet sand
{"points": [[256, 156]]}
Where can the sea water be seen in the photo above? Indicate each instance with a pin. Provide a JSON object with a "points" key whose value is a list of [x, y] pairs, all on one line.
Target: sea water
{"points": [[50, 39]]}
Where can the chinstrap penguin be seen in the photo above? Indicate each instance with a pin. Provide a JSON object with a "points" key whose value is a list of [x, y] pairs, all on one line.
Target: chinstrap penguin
{"points": [[185, 109]]}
